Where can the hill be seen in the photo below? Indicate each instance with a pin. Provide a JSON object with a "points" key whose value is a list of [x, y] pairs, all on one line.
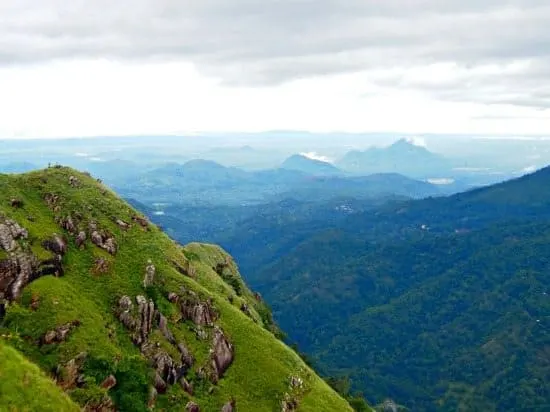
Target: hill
{"points": [[310, 166], [441, 304], [403, 157], [206, 183], [122, 317]]}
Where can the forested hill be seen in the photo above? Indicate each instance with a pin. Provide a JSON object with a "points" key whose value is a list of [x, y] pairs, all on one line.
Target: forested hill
{"points": [[440, 304], [98, 301]]}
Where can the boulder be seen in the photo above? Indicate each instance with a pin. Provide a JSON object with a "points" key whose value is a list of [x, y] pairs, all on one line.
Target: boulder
{"points": [[109, 382], [192, 407], [122, 224], [222, 354], [68, 224], [143, 222], [150, 271], [187, 386], [80, 239], [55, 244], [163, 326], [60, 333], [73, 181]]}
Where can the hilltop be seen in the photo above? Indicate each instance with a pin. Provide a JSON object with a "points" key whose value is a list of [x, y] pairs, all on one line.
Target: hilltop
{"points": [[121, 317]]}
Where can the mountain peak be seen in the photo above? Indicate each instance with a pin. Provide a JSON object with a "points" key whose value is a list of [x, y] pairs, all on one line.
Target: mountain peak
{"points": [[309, 165]]}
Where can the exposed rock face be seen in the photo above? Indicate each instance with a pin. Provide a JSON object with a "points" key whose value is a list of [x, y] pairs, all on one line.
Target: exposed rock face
{"points": [[122, 224], [68, 375], [15, 273], [68, 224], [201, 313], [222, 354], [186, 356], [150, 271], [163, 326], [192, 407], [103, 240], [144, 223], [187, 386], [56, 244], [141, 324], [80, 239], [109, 382], [60, 333], [389, 406], [73, 181], [229, 407], [10, 232], [146, 312]]}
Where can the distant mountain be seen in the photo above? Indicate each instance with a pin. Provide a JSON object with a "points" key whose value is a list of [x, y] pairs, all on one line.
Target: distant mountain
{"points": [[404, 157], [310, 166], [17, 167], [207, 182], [442, 304]]}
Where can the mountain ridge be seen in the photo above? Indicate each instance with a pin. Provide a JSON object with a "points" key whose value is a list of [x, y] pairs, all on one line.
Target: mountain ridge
{"points": [[123, 317]]}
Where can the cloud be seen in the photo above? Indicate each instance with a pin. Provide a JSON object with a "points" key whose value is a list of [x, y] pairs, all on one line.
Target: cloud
{"points": [[417, 141], [485, 51], [317, 156]]}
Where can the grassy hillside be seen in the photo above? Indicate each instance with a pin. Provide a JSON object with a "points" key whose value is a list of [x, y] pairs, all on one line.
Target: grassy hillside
{"points": [[123, 317], [24, 387]]}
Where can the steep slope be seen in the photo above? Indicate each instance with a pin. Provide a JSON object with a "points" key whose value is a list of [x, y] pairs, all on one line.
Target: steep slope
{"points": [[440, 304], [122, 317], [23, 386], [309, 166]]}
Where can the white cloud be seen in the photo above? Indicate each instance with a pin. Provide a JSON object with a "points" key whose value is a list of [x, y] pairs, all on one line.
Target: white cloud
{"points": [[317, 156], [417, 141]]}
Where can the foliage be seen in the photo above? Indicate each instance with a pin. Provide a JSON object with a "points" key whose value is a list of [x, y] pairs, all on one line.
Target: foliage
{"points": [[258, 377]]}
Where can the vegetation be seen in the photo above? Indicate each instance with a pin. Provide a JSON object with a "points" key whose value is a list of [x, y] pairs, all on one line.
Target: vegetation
{"points": [[24, 387], [87, 296], [440, 304]]}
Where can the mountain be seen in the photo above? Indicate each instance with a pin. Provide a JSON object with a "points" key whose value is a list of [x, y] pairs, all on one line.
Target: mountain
{"points": [[403, 157], [121, 317], [310, 166], [206, 183], [441, 304]]}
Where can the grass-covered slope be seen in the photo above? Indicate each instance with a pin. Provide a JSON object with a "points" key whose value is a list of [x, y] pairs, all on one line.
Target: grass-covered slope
{"points": [[24, 387], [79, 304]]}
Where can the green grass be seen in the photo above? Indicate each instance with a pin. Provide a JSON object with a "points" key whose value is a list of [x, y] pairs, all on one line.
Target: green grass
{"points": [[24, 387], [259, 376]]}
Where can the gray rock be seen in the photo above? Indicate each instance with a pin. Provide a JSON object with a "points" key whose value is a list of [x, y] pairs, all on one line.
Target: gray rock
{"points": [[163, 326], [150, 271], [55, 244], [144, 325], [80, 239], [60, 333], [192, 407], [222, 354], [186, 356], [200, 313]]}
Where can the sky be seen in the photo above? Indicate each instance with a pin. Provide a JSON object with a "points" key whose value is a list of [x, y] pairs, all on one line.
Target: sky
{"points": [[98, 67]]}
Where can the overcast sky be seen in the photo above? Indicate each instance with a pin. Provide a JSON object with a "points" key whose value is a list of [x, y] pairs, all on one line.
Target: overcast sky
{"points": [[96, 67]]}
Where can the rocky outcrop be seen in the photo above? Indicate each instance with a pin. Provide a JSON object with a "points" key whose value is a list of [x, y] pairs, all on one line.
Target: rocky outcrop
{"points": [[51, 199], [187, 386], [10, 233], [104, 240], [143, 222], [15, 273], [80, 239], [192, 407], [60, 333], [68, 224], [150, 271], [163, 326], [221, 354], [109, 382], [68, 376], [55, 244], [141, 323], [73, 181], [186, 357], [122, 224], [289, 404], [199, 312]]}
